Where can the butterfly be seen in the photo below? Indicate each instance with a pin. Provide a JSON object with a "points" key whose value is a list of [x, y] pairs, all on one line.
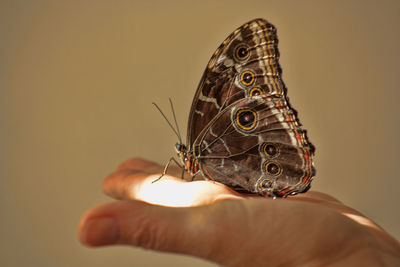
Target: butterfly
{"points": [[242, 131]]}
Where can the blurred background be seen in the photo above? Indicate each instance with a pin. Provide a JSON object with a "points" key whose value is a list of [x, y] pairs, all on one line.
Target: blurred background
{"points": [[77, 79]]}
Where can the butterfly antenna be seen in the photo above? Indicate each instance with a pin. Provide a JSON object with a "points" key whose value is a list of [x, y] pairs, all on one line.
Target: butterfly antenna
{"points": [[170, 125], [176, 123]]}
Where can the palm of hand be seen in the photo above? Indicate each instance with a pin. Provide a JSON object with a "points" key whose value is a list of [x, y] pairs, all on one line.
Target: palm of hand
{"points": [[221, 225]]}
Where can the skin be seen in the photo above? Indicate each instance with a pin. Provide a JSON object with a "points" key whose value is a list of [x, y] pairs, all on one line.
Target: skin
{"points": [[209, 220]]}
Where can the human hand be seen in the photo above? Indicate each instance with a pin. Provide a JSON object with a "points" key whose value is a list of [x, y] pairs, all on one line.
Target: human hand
{"points": [[211, 221]]}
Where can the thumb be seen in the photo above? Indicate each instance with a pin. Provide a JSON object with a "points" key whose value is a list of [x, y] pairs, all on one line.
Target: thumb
{"points": [[178, 230]]}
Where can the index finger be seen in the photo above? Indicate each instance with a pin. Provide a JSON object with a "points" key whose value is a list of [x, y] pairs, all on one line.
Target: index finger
{"points": [[134, 179]]}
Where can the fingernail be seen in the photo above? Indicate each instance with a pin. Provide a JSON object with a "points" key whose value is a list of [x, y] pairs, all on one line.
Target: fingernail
{"points": [[100, 232]]}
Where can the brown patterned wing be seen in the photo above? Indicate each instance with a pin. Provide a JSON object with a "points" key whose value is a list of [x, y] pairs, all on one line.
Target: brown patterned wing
{"points": [[242, 130], [256, 145], [246, 63]]}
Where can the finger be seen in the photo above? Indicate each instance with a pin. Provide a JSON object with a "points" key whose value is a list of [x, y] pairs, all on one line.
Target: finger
{"points": [[134, 179], [121, 222], [120, 183], [169, 191], [212, 232], [135, 223]]}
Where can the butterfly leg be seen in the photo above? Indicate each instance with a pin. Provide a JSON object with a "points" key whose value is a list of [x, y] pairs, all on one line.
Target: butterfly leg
{"points": [[194, 176], [183, 173], [166, 168]]}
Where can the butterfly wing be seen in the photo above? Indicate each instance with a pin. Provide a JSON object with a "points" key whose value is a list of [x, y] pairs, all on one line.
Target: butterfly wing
{"points": [[242, 129], [251, 46]]}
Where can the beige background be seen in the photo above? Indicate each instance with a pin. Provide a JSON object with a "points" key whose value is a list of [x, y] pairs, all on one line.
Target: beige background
{"points": [[77, 79]]}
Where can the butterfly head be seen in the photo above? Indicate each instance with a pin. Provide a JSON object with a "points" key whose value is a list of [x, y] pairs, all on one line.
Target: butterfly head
{"points": [[180, 148], [181, 151]]}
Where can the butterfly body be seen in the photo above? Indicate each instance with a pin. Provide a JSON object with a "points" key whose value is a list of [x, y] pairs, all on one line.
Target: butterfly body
{"points": [[242, 131], [190, 163]]}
